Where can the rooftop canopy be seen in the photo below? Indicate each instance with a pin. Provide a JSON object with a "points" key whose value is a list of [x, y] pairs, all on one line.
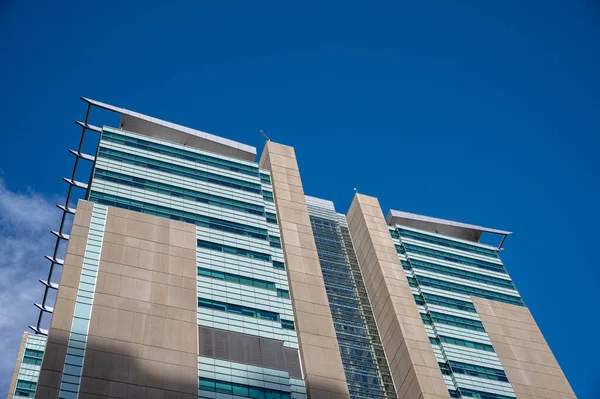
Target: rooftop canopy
{"points": [[463, 231], [157, 128]]}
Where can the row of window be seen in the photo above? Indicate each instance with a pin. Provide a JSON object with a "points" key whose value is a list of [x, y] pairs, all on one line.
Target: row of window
{"points": [[25, 388], [176, 214], [465, 343], [275, 241], [463, 260], [476, 394], [179, 153], [450, 271], [240, 390], [245, 311], [179, 170], [236, 251], [271, 217], [447, 243], [180, 192], [456, 321], [33, 356], [448, 302], [477, 371], [467, 290], [265, 179], [250, 281]]}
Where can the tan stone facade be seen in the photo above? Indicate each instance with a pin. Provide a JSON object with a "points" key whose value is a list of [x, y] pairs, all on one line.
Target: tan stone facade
{"points": [[142, 339], [526, 357], [414, 369], [13, 381], [321, 360]]}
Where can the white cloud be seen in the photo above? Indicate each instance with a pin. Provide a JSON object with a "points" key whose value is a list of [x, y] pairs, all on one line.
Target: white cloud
{"points": [[25, 223]]}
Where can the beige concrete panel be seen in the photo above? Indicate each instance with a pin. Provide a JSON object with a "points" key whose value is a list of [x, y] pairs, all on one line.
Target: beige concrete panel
{"points": [[319, 352], [13, 380], [527, 359], [142, 339], [414, 368]]}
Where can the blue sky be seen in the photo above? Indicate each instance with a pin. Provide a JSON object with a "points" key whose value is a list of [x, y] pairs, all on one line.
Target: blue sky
{"points": [[482, 112]]}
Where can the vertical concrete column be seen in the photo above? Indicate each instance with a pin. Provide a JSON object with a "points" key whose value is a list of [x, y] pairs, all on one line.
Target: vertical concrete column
{"points": [[409, 353], [64, 308], [13, 381], [526, 357], [319, 352]]}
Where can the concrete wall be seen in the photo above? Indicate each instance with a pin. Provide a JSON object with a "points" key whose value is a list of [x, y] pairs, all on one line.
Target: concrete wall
{"points": [[526, 357], [142, 339], [408, 351], [13, 381], [321, 361]]}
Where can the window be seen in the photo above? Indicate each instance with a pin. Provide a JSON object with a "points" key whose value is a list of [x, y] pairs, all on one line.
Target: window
{"points": [[283, 293], [264, 178], [287, 324], [233, 250], [180, 153], [426, 319], [434, 341], [267, 195], [271, 217], [275, 241], [463, 260], [467, 275], [32, 356], [477, 371], [466, 290], [447, 243], [175, 214], [243, 310], [278, 265], [25, 388], [456, 321], [175, 191], [232, 388], [482, 395], [468, 344], [394, 234], [449, 302], [234, 278], [178, 170]]}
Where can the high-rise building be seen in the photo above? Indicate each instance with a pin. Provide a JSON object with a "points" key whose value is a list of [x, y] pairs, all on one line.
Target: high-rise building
{"points": [[193, 270]]}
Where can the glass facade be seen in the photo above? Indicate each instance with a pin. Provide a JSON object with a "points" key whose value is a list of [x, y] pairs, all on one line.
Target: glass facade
{"points": [[365, 366], [29, 370], [443, 273]]}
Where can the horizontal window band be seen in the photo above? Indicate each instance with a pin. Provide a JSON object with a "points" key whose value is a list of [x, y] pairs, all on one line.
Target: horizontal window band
{"points": [[465, 343], [463, 260], [447, 243], [180, 192], [178, 170], [176, 214], [245, 311], [179, 153], [467, 290], [456, 321], [235, 278], [459, 273], [241, 390], [235, 251]]}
